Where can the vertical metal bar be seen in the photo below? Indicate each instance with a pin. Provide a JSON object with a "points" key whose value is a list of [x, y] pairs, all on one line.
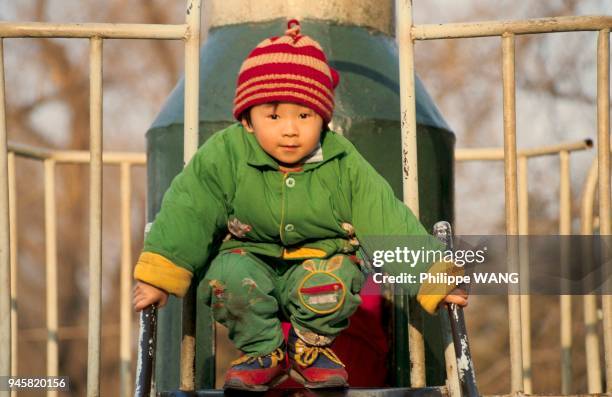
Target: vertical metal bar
{"points": [[591, 337], [523, 208], [51, 272], [565, 194], [452, 376], [398, 360], [603, 154], [407, 104], [404, 21], [190, 146], [467, 379], [565, 229], [95, 217], [514, 304], [12, 187], [192, 80], [5, 257], [126, 282], [145, 382]]}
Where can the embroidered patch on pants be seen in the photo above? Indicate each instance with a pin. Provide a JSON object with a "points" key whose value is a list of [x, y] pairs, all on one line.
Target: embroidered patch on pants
{"points": [[322, 292]]}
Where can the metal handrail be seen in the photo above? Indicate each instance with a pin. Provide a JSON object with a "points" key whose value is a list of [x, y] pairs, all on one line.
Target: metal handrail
{"points": [[96, 33], [563, 150], [75, 156], [507, 32], [91, 30], [499, 28], [495, 154], [52, 332]]}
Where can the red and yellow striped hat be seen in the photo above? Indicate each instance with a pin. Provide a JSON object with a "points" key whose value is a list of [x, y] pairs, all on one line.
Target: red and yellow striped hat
{"points": [[291, 68]]}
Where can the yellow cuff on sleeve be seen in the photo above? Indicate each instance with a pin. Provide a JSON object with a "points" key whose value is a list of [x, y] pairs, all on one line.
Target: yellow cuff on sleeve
{"points": [[433, 292], [160, 272]]}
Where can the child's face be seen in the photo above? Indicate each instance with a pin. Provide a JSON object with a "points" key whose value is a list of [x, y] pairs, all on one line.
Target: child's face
{"points": [[288, 133]]}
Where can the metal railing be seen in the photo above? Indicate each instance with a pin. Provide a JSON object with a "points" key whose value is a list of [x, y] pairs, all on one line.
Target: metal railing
{"points": [[587, 227], [563, 151], [50, 160], [507, 31], [125, 161], [96, 33], [407, 33]]}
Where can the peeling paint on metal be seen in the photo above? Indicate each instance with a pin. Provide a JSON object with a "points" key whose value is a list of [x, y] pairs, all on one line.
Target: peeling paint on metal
{"points": [[405, 163], [463, 362]]}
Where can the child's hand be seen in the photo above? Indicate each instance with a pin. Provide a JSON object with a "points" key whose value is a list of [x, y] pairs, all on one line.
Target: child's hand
{"points": [[145, 295], [457, 296]]}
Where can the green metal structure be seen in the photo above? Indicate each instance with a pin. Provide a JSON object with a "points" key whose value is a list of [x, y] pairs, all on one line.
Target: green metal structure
{"points": [[367, 112]]}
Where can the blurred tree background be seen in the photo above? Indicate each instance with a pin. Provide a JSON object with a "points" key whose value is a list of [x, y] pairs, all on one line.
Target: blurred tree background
{"points": [[47, 85]]}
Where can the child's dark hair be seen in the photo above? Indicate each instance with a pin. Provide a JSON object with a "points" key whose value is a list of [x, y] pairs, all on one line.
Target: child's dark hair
{"points": [[246, 115]]}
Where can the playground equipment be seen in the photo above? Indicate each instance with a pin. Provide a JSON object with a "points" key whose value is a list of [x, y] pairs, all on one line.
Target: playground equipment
{"points": [[407, 32], [367, 113], [51, 159]]}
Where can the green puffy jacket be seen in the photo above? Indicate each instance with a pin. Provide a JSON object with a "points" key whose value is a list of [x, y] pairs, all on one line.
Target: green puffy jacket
{"points": [[232, 195]]}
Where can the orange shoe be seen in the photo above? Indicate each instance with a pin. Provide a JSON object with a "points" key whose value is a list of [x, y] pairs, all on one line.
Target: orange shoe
{"points": [[258, 373]]}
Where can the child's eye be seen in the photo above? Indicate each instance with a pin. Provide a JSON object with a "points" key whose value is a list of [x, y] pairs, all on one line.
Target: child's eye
{"points": [[273, 116], [304, 115]]}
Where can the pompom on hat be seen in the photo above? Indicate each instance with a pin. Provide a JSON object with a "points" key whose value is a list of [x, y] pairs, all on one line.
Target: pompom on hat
{"points": [[290, 68]]}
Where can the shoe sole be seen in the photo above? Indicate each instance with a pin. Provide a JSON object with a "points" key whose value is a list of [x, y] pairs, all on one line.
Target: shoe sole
{"points": [[237, 384], [334, 382]]}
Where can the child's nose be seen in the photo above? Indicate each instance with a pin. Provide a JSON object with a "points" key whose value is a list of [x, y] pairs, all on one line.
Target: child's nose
{"points": [[291, 129]]}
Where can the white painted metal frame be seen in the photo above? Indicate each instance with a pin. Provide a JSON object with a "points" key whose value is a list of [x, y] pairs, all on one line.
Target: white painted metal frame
{"points": [[50, 160], [96, 33], [603, 157], [190, 146], [5, 255], [51, 271], [563, 150], [591, 321], [12, 186], [507, 30], [410, 176], [407, 32]]}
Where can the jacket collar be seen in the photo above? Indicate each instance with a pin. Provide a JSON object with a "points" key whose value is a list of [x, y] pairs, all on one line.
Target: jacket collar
{"points": [[257, 157]]}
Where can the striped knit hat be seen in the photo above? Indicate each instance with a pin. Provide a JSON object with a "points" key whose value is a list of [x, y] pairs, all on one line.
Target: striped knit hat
{"points": [[291, 68]]}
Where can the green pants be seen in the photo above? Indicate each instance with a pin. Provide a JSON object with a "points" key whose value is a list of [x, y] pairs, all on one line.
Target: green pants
{"points": [[250, 295]]}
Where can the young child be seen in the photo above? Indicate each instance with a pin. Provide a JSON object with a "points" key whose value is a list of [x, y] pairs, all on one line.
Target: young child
{"points": [[273, 206]]}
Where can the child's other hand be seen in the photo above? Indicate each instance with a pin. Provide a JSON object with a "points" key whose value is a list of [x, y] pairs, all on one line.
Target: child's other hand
{"points": [[145, 295], [457, 296]]}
